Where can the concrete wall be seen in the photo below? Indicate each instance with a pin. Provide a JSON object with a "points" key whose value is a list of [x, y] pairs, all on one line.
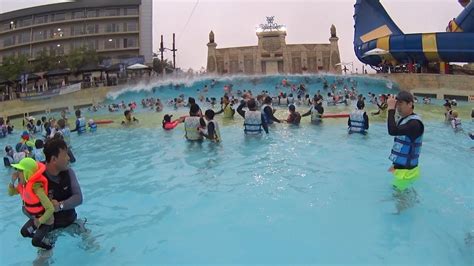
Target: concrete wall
{"points": [[146, 31], [462, 85], [82, 97]]}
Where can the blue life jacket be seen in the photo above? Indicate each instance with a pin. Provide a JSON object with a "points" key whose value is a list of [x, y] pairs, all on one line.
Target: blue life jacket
{"points": [[81, 125], [93, 127], [357, 122], [405, 151]]}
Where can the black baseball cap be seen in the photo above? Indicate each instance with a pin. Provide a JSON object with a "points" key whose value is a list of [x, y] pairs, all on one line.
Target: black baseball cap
{"points": [[405, 96]]}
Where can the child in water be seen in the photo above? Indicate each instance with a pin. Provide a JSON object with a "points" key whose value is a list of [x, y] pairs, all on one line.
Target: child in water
{"points": [[33, 188]]}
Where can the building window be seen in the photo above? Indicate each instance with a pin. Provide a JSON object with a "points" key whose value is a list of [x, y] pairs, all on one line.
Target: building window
{"points": [[112, 27], [24, 51], [37, 51], [39, 35], [92, 13], [24, 22], [92, 44], [56, 49], [24, 37], [5, 27], [59, 16], [76, 44], [9, 41], [41, 19], [111, 12], [57, 33], [92, 28], [78, 14], [77, 30], [130, 42], [131, 11], [131, 26], [111, 43]]}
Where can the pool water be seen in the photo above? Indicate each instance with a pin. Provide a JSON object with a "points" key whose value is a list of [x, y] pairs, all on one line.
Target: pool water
{"points": [[308, 194]]}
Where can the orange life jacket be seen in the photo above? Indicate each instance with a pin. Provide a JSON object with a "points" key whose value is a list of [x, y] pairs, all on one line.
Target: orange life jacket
{"points": [[30, 199]]}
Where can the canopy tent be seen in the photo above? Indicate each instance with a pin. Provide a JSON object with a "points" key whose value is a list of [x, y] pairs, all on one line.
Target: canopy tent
{"points": [[58, 72], [30, 76], [376, 51], [137, 67], [90, 68]]}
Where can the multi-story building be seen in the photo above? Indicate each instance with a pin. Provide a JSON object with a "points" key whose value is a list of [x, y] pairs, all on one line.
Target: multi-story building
{"points": [[273, 55], [116, 29]]}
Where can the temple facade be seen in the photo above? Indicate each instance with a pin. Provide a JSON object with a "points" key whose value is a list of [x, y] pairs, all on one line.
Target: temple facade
{"points": [[272, 55]]}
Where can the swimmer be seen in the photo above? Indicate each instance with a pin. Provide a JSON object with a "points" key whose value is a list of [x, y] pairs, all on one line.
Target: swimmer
{"points": [[211, 131], [129, 119], [294, 117], [33, 188], [358, 121], [253, 119], [456, 122], [168, 124]]}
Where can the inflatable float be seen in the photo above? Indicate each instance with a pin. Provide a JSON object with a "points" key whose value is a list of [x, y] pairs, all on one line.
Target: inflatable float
{"points": [[99, 122], [341, 115]]}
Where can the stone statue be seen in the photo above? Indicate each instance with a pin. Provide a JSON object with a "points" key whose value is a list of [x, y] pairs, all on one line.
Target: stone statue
{"points": [[333, 31], [211, 37]]}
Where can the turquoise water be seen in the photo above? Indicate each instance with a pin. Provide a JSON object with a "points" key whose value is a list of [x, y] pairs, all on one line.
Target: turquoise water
{"points": [[308, 194]]}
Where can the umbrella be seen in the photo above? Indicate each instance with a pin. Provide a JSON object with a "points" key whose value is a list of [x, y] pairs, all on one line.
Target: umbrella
{"points": [[376, 51], [138, 66]]}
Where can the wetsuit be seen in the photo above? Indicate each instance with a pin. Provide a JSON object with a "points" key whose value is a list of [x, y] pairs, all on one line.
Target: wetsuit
{"points": [[65, 188]]}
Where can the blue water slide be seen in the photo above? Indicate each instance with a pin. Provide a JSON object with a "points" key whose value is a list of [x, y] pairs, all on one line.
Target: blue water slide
{"points": [[376, 32], [465, 20]]}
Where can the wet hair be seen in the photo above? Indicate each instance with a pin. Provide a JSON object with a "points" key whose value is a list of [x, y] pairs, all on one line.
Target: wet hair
{"points": [[78, 112], [8, 148], [38, 123], [268, 100], [43, 119], [292, 108], [360, 105], [209, 114], [191, 100], [53, 147], [39, 144], [194, 109], [251, 104], [126, 112], [61, 123]]}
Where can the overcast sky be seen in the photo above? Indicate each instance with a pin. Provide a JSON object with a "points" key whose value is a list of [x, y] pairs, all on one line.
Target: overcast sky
{"points": [[307, 21]]}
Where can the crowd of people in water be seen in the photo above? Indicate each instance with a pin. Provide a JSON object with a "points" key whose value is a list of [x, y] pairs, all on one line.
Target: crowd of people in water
{"points": [[49, 188]]}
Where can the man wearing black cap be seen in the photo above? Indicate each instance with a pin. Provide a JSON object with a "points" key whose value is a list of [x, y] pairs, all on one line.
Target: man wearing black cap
{"points": [[358, 121], [408, 134]]}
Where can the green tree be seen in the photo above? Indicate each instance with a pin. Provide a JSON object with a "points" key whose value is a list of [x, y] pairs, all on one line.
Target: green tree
{"points": [[13, 66], [158, 66], [80, 57]]}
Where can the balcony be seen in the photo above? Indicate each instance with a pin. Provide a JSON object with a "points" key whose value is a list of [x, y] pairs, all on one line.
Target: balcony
{"points": [[68, 21], [66, 37]]}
